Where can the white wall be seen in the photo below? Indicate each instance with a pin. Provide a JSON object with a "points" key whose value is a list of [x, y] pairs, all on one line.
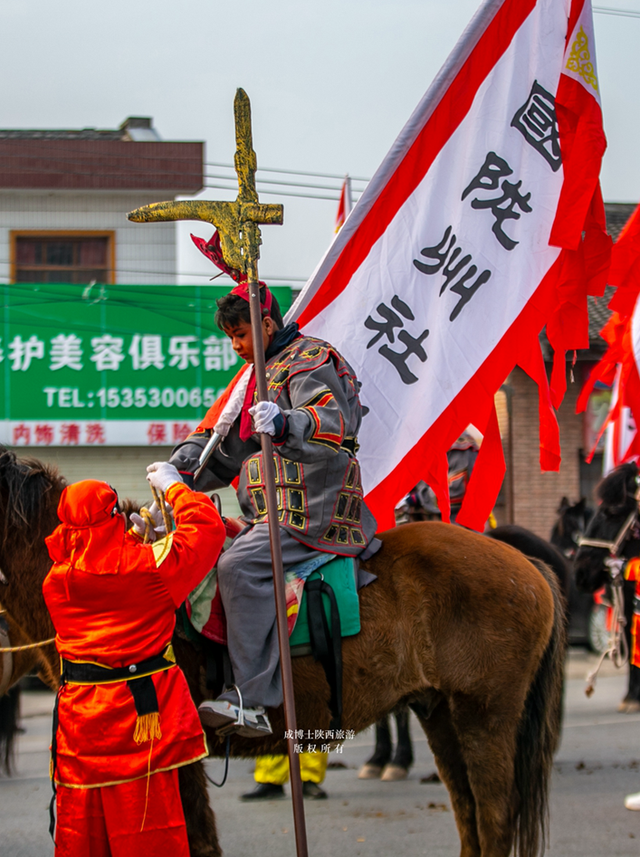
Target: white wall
{"points": [[145, 252], [124, 468]]}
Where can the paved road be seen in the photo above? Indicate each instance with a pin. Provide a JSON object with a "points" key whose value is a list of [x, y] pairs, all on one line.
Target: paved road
{"points": [[597, 764]]}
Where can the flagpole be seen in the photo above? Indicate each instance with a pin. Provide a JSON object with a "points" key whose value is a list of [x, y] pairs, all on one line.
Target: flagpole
{"points": [[259, 367], [238, 227], [348, 199]]}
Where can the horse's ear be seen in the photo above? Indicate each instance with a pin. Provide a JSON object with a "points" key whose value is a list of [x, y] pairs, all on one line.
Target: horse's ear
{"points": [[564, 505], [579, 507]]}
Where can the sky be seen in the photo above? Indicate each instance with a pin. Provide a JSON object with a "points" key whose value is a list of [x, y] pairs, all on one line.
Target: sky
{"points": [[331, 84]]}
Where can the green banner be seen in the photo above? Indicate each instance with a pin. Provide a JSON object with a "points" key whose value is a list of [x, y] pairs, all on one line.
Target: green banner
{"points": [[116, 365]]}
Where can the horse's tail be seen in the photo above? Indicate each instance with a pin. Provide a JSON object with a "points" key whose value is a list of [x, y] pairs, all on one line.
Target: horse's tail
{"points": [[9, 711], [539, 733]]}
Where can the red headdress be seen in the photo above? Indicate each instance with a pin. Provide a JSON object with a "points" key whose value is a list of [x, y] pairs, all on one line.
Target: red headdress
{"points": [[91, 534], [213, 251]]}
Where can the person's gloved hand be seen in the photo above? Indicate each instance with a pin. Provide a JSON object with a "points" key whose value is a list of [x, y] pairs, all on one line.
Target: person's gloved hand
{"points": [[161, 475], [267, 418], [139, 524]]}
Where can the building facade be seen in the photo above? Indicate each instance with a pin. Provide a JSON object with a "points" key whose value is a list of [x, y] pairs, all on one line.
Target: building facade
{"points": [[64, 197]]}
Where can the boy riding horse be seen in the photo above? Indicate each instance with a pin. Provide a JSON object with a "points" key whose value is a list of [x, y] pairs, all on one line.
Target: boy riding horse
{"points": [[313, 415]]}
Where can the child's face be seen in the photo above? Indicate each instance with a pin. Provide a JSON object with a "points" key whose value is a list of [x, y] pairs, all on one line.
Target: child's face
{"points": [[242, 338]]}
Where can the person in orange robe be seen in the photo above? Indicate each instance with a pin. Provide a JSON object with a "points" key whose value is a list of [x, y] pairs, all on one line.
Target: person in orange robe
{"points": [[125, 718]]}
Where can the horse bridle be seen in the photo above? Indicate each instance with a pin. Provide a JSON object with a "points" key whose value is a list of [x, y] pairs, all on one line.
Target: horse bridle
{"points": [[614, 546], [617, 649]]}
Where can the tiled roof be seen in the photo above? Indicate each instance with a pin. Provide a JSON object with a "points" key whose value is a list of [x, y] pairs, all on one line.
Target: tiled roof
{"points": [[135, 128], [617, 215], [59, 134]]}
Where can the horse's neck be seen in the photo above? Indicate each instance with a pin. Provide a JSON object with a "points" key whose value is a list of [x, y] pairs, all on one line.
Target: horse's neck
{"points": [[26, 563]]}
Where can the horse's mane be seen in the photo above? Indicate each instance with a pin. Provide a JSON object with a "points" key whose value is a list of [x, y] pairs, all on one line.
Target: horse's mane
{"points": [[24, 486], [613, 491]]}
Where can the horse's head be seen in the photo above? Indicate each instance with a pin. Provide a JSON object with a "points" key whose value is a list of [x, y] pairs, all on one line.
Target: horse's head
{"points": [[570, 526], [617, 495], [29, 493]]}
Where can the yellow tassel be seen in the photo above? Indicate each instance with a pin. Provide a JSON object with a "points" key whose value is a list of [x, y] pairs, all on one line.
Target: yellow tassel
{"points": [[147, 728]]}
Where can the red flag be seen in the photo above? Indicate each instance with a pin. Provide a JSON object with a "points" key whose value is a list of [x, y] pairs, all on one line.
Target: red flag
{"points": [[622, 357], [344, 206], [483, 224]]}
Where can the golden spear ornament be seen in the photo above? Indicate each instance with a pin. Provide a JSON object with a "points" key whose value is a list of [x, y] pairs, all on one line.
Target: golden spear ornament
{"points": [[238, 226]]}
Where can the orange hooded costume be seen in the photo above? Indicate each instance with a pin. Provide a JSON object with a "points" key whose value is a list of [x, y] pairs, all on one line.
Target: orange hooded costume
{"points": [[124, 708]]}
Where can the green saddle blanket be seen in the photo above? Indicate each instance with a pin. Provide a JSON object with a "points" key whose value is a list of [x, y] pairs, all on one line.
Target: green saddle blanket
{"points": [[340, 574]]}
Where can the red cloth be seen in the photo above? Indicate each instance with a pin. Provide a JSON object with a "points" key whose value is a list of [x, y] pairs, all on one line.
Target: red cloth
{"points": [[91, 534], [107, 822], [119, 615]]}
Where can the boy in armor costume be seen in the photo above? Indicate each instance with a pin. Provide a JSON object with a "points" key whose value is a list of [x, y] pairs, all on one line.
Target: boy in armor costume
{"points": [[313, 415]]}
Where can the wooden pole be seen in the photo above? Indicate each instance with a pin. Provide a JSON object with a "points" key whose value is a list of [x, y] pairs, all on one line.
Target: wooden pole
{"points": [[278, 577]]}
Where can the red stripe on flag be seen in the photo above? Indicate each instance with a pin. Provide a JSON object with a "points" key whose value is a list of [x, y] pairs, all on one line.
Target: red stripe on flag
{"points": [[446, 117], [583, 143]]}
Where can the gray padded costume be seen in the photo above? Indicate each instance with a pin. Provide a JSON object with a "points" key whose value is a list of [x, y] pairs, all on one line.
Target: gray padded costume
{"points": [[320, 504]]}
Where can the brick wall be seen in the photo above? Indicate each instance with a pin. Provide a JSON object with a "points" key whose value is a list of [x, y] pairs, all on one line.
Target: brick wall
{"points": [[537, 495]]}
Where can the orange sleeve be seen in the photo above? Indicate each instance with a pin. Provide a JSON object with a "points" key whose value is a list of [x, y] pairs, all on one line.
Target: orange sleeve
{"points": [[192, 549], [632, 569]]}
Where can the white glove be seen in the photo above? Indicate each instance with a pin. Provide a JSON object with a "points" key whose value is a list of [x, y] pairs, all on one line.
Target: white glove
{"points": [[139, 525], [263, 414], [162, 475]]}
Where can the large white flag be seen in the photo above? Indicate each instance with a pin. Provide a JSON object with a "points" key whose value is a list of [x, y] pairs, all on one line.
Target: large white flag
{"points": [[471, 236]]}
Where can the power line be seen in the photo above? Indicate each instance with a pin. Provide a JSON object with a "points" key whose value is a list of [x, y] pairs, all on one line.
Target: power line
{"points": [[138, 273], [623, 13], [277, 182], [232, 188], [281, 193], [291, 172]]}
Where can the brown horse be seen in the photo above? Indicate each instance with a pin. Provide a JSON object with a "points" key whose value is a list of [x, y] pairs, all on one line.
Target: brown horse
{"points": [[13, 665], [463, 629]]}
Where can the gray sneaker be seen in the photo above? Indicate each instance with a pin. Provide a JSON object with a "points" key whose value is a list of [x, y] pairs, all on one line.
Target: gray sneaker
{"points": [[228, 717]]}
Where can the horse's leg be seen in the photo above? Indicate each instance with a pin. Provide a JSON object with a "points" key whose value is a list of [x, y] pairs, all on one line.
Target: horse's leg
{"points": [[9, 728], [404, 748], [631, 703], [488, 739], [372, 768], [435, 719], [198, 815], [402, 760]]}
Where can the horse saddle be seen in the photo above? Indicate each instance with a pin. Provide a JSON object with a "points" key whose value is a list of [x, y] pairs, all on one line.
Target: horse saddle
{"points": [[340, 585]]}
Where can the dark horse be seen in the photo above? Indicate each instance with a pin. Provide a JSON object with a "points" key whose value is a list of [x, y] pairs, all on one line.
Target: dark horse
{"points": [[618, 501], [463, 629]]}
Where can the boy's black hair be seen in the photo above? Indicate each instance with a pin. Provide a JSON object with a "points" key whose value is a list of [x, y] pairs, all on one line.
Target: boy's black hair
{"points": [[233, 309]]}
